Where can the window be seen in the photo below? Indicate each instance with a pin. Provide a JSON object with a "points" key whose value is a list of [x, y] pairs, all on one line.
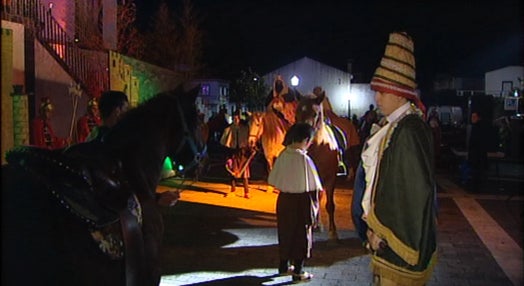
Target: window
{"points": [[507, 85], [223, 90], [205, 89]]}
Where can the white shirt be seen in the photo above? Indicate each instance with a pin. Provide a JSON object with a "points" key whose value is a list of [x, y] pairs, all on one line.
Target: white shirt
{"points": [[370, 154], [294, 172]]}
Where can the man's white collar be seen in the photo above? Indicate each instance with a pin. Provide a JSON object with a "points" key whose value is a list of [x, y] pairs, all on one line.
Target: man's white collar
{"points": [[399, 111]]}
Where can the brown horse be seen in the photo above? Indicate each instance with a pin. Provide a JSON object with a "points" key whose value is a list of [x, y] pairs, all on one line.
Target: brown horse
{"points": [[350, 142], [270, 130], [88, 214], [323, 151]]}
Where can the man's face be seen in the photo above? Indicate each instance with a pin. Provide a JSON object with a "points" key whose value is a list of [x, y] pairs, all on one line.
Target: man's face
{"points": [[47, 113], [474, 117], [388, 102], [236, 120], [121, 110], [93, 110]]}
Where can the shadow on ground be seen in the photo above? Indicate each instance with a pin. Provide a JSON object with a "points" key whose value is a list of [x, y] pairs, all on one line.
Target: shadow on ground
{"points": [[204, 238]]}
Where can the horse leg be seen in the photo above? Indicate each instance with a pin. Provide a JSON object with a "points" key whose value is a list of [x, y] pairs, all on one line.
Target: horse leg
{"points": [[153, 231], [330, 208], [319, 226], [269, 160]]}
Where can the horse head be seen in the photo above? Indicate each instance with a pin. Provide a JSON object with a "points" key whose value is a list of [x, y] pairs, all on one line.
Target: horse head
{"points": [[164, 125], [189, 151], [256, 127], [309, 110]]}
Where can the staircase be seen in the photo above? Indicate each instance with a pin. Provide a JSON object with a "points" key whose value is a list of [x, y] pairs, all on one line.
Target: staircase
{"points": [[90, 76]]}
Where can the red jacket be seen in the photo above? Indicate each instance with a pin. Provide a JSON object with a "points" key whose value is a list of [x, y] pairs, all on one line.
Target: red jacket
{"points": [[84, 126], [42, 135]]}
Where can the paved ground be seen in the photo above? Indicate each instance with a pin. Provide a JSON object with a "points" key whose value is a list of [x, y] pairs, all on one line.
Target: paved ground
{"points": [[214, 237]]}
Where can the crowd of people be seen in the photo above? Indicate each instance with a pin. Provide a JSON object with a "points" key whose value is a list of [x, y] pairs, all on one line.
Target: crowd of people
{"points": [[394, 200], [102, 113]]}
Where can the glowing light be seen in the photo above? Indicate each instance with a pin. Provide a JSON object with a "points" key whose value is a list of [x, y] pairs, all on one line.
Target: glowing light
{"points": [[59, 49], [168, 165], [295, 80]]}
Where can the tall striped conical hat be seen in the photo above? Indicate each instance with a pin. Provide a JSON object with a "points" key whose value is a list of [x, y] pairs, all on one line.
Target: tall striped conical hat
{"points": [[396, 73]]}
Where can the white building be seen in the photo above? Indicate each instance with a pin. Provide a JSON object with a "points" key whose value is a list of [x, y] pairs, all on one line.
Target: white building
{"points": [[502, 82], [347, 98], [213, 95]]}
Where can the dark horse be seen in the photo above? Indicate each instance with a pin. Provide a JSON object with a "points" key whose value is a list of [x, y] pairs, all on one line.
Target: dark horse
{"points": [[88, 214]]}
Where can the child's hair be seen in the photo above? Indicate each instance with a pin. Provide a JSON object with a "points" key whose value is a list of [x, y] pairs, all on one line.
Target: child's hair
{"points": [[298, 132]]}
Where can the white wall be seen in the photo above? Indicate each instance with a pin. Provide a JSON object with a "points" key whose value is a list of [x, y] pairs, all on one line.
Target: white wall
{"points": [[361, 97], [509, 75]]}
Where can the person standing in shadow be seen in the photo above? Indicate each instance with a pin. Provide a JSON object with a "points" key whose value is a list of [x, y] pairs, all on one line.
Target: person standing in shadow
{"points": [[88, 121], [42, 134], [483, 139]]}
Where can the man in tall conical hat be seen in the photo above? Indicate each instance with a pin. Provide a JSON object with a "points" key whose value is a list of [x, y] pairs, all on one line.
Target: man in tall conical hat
{"points": [[398, 202]]}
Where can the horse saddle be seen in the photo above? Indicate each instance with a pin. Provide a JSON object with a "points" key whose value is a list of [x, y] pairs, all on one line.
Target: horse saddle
{"points": [[78, 178], [340, 138]]}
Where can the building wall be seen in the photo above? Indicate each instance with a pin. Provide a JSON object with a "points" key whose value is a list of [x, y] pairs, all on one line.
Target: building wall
{"points": [[346, 98], [53, 82], [14, 113], [500, 82], [361, 96], [110, 32], [7, 80], [18, 57], [95, 12], [138, 79]]}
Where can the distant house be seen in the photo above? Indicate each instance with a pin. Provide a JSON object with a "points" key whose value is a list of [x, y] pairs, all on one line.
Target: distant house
{"points": [[460, 86], [212, 96], [508, 83], [503, 82], [347, 98]]}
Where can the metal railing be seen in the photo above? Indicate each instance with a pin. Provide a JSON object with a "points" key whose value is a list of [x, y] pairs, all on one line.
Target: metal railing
{"points": [[62, 47]]}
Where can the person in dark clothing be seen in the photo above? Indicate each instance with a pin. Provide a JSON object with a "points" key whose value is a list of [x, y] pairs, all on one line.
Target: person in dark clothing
{"points": [[482, 139], [235, 139], [88, 121], [281, 89], [42, 134], [112, 105], [367, 121]]}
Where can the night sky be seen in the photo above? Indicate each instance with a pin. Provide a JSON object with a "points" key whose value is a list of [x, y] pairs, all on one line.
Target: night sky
{"points": [[462, 38]]}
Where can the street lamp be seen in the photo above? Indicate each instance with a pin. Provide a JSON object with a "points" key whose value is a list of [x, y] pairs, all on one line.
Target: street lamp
{"points": [[295, 81]]}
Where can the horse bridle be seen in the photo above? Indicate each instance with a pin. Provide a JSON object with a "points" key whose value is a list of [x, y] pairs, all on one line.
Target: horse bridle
{"points": [[258, 132], [188, 139]]}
